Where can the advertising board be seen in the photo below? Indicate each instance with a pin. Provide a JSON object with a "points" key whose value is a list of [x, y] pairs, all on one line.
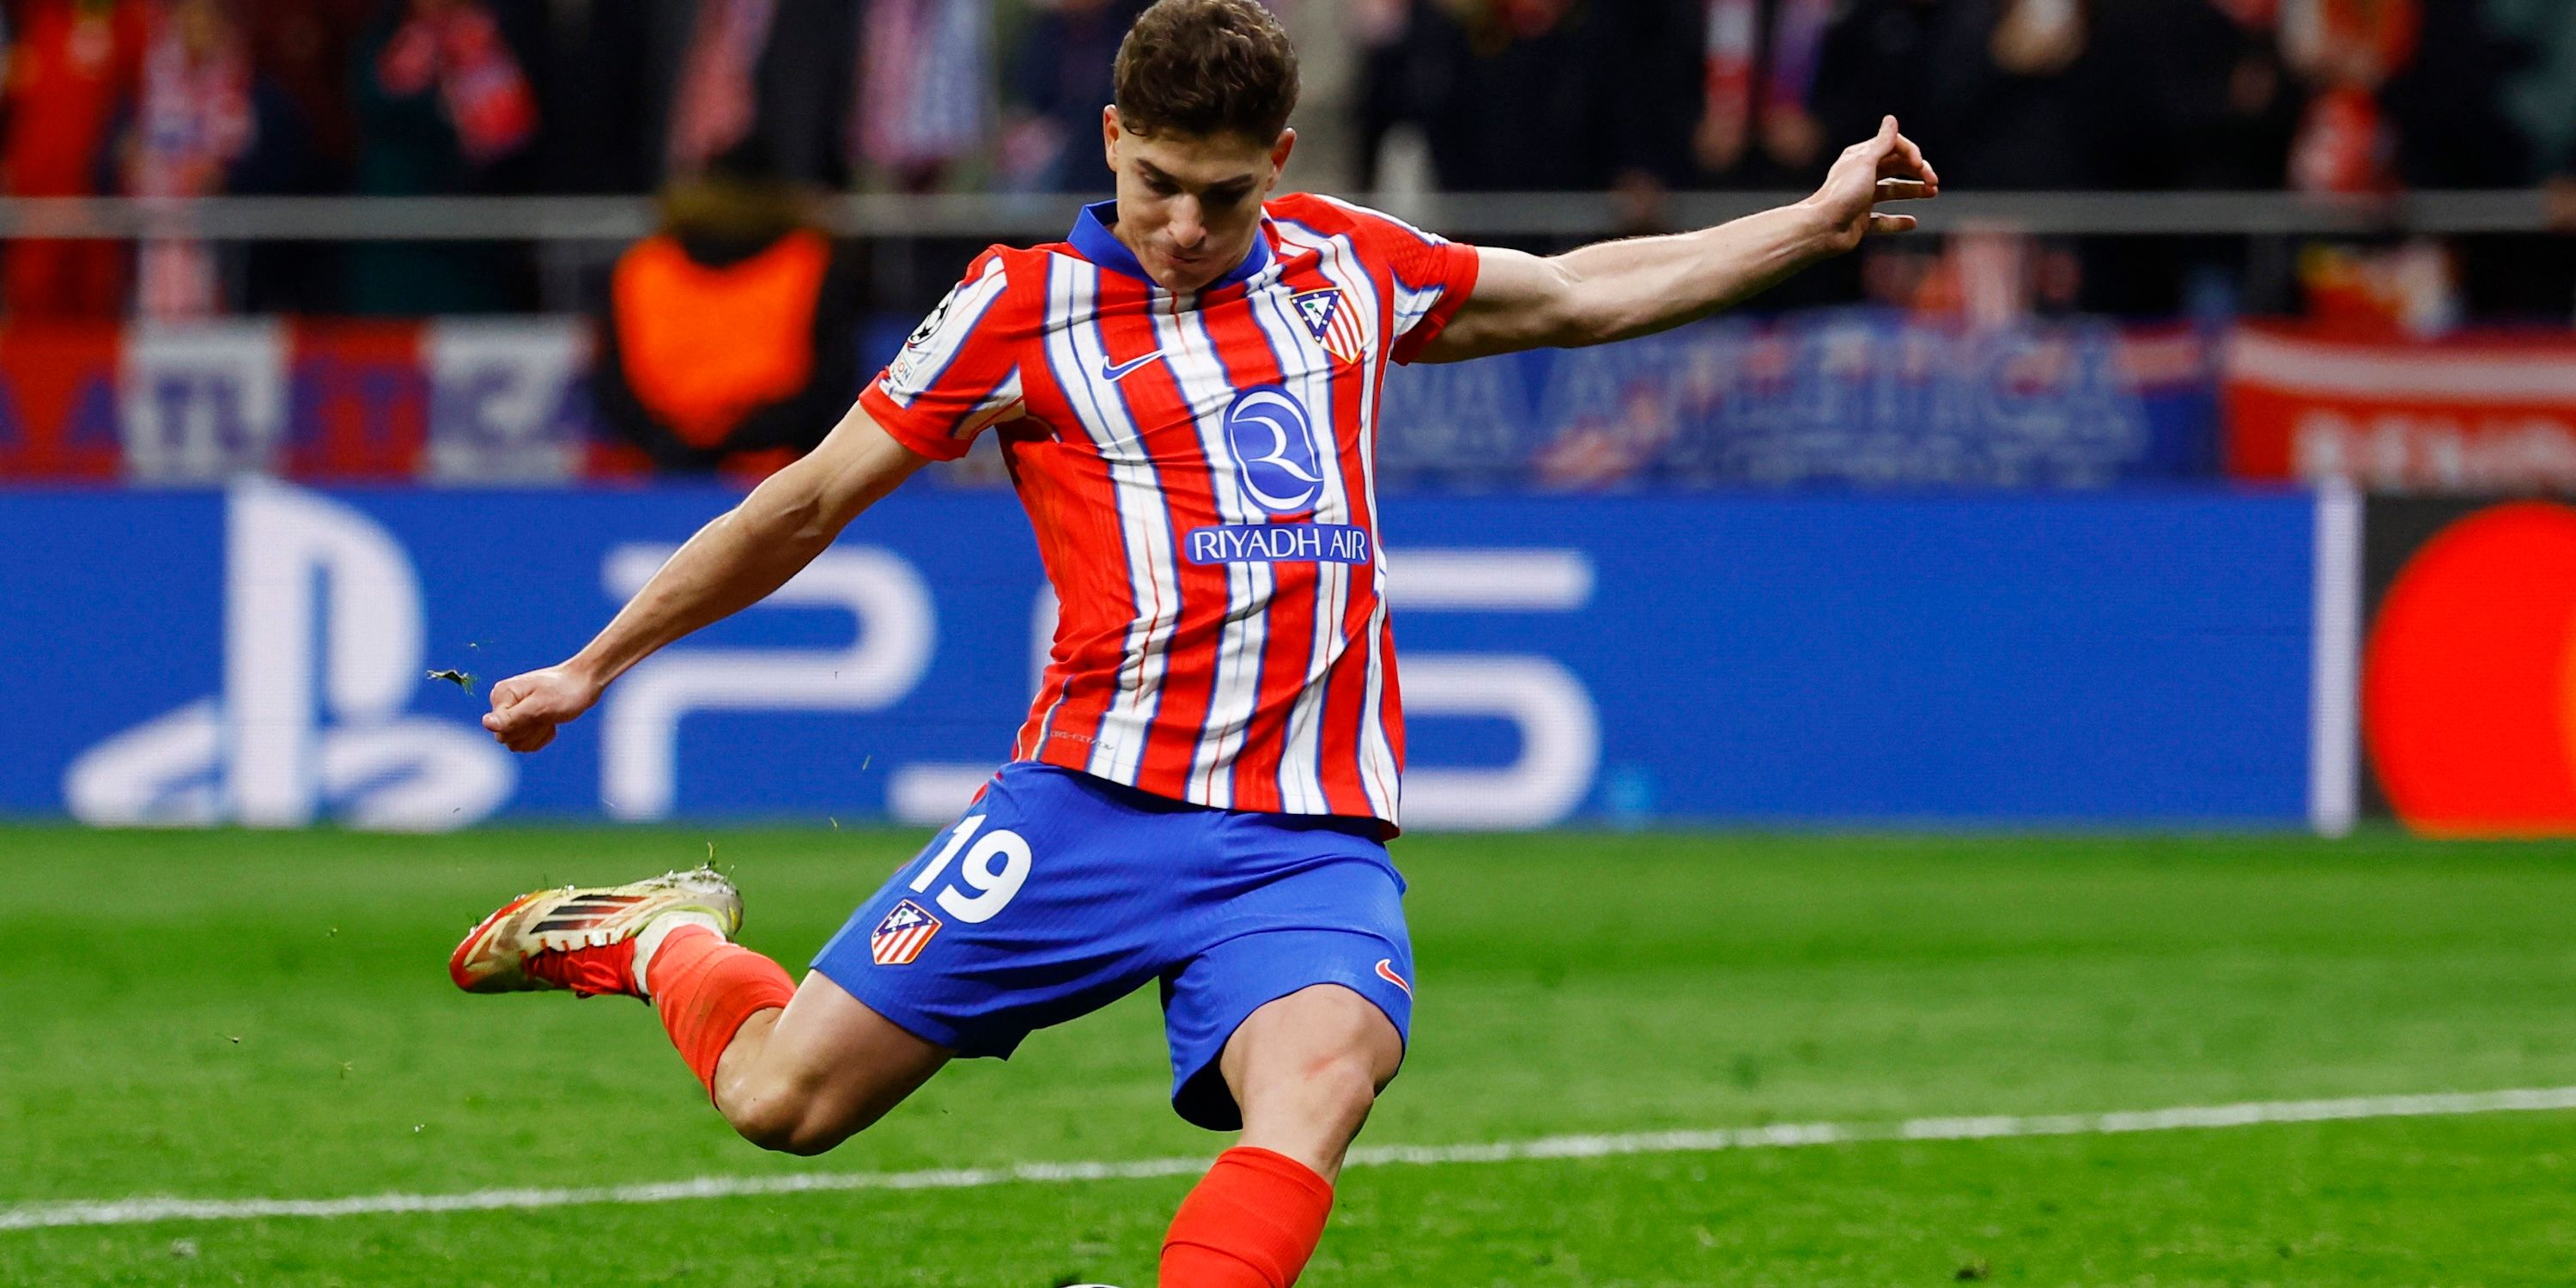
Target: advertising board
{"points": [[1838, 399], [2468, 669], [262, 655], [2473, 415]]}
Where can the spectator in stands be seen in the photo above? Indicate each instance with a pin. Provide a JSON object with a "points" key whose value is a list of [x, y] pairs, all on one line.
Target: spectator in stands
{"points": [[730, 340], [2546, 101], [925, 69], [2347, 50], [2446, 104], [1756, 126], [717, 104], [1998, 90], [1547, 95], [1383, 105], [2200, 96], [2015, 90], [2452, 110], [2540, 89], [442, 103], [662, 86], [2197, 98], [73, 67], [302, 46], [1059, 79], [202, 124]]}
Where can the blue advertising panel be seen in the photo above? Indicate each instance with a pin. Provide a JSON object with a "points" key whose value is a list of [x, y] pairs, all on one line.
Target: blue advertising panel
{"points": [[264, 655], [1837, 398], [1848, 399]]}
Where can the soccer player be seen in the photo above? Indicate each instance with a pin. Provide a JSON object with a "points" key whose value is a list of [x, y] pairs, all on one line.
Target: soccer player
{"points": [[1186, 390]]}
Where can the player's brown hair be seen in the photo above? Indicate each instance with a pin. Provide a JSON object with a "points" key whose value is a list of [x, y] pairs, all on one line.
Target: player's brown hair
{"points": [[1207, 67]]}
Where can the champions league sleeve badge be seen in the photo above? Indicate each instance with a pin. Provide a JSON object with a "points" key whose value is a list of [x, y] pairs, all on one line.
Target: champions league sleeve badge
{"points": [[901, 936], [899, 373]]}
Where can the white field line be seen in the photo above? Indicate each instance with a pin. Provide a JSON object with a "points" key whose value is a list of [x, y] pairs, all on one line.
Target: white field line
{"points": [[30, 1216]]}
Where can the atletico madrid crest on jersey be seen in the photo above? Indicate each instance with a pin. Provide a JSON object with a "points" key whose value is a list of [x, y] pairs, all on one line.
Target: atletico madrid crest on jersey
{"points": [[902, 935], [1335, 327]]}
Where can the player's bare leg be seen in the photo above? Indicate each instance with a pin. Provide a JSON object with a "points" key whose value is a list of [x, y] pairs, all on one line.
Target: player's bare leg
{"points": [[799, 1070], [1305, 1069], [805, 1078]]}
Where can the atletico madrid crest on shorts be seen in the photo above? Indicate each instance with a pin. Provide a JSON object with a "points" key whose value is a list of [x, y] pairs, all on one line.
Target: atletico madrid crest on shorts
{"points": [[902, 935], [1335, 327]]}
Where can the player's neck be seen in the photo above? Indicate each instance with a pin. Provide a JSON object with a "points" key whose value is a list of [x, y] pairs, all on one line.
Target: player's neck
{"points": [[1236, 267], [1223, 274]]}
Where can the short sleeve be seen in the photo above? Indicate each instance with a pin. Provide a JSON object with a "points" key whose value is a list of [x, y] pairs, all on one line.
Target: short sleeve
{"points": [[1433, 276], [958, 371]]}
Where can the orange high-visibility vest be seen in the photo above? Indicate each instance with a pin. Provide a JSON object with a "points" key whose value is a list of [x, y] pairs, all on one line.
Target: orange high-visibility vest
{"points": [[702, 347]]}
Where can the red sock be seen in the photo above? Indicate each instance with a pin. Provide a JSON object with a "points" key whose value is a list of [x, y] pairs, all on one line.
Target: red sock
{"points": [[1251, 1224], [590, 972], [705, 988]]}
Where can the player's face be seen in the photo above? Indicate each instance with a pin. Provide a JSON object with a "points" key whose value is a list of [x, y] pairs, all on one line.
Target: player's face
{"points": [[1189, 207]]}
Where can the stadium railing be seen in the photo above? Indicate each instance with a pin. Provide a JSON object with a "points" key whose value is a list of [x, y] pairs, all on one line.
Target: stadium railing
{"points": [[608, 219]]}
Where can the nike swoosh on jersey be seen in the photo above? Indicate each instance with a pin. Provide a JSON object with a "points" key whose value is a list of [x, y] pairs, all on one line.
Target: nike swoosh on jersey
{"points": [[1119, 370]]}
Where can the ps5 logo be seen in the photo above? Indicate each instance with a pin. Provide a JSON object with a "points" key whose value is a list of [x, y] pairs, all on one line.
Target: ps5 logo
{"points": [[1274, 450], [322, 653]]}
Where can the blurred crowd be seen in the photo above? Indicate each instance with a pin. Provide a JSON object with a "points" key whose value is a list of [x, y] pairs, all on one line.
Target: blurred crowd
{"points": [[1647, 97], [176, 98], [2317, 95]]}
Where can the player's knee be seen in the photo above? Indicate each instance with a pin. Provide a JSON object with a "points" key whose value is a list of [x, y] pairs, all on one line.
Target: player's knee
{"points": [[1346, 1084], [1332, 1091], [766, 1121], [787, 1120], [1358, 1051], [785, 1128], [1323, 1053]]}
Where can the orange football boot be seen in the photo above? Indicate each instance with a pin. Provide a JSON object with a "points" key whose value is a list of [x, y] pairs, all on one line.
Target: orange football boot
{"points": [[583, 939]]}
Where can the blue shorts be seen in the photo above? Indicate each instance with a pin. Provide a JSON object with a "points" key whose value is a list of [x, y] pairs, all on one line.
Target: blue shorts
{"points": [[1059, 893]]}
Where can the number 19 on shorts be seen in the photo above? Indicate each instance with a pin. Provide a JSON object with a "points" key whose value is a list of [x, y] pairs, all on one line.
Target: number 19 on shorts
{"points": [[994, 870]]}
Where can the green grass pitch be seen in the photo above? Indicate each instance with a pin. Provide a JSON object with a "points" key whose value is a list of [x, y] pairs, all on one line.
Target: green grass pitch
{"points": [[236, 1015]]}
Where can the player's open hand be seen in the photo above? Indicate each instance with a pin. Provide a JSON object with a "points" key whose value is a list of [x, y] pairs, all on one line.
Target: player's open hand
{"points": [[1884, 167], [526, 708]]}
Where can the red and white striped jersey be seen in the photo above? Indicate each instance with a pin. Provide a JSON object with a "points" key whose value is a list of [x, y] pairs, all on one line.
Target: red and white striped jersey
{"points": [[1201, 472]]}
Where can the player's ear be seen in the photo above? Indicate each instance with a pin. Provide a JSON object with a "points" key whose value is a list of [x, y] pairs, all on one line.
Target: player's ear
{"points": [[1279, 151], [1109, 132]]}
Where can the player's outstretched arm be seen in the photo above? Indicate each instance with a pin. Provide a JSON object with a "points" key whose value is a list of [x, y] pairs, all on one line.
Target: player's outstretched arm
{"points": [[731, 564], [1616, 290]]}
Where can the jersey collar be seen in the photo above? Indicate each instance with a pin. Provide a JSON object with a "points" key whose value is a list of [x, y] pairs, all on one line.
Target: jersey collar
{"points": [[1092, 238]]}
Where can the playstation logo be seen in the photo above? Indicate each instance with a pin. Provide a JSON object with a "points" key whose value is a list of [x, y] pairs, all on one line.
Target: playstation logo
{"points": [[322, 654]]}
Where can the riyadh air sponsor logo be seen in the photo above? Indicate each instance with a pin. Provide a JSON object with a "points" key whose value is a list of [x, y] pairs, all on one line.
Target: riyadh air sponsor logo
{"points": [[1279, 543], [1274, 450], [322, 645]]}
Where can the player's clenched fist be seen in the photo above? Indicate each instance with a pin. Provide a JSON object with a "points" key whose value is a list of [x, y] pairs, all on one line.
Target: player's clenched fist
{"points": [[526, 708]]}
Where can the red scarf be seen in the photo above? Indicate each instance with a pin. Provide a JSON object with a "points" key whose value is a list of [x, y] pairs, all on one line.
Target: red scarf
{"points": [[194, 118], [460, 51], [717, 105], [2344, 142]]}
